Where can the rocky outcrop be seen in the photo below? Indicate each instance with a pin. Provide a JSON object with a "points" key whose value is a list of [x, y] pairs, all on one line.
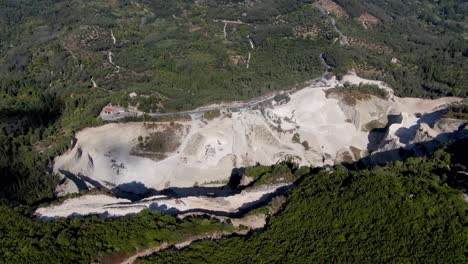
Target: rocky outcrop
{"points": [[418, 140]]}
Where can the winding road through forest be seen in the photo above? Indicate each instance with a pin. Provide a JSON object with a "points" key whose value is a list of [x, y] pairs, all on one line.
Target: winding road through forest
{"points": [[233, 107], [342, 37]]}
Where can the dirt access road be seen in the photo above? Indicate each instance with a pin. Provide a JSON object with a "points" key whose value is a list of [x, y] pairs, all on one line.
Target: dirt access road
{"points": [[182, 244], [233, 107], [342, 37]]}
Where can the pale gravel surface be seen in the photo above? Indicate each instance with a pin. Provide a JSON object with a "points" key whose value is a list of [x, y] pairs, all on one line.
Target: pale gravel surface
{"points": [[108, 206]]}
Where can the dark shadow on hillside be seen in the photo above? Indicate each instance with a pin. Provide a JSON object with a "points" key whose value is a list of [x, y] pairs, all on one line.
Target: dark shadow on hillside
{"points": [[376, 135], [19, 121], [136, 191], [407, 134], [133, 191], [459, 177], [80, 184], [420, 149], [236, 177], [223, 191], [242, 211], [80, 181]]}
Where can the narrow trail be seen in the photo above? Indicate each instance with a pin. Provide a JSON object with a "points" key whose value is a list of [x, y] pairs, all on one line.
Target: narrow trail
{"points": [[252, 46], [94, 83], [144, 9], [235, 22], [235, 106], [324, 62], [70, 51], [184, 243], [110, 54], [364, 21], [342, 37], [364, 24], [226, 23], [112, 62], [224, 31], [114, 40], [110, 58]]}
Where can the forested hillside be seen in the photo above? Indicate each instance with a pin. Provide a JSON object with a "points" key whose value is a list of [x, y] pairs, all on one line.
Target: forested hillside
{"points": [[62, 61], [428, 40], [91, 239]]}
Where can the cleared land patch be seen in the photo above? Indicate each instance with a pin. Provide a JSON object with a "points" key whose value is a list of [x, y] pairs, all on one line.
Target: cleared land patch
{"points": [[158, 144]]}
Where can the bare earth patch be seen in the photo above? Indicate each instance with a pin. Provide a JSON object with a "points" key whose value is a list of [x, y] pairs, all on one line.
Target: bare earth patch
{"points": [[333, 8], [368, 21], [163, 140]]}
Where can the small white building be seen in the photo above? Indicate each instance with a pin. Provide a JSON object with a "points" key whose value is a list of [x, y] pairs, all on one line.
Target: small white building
{"points": [[112, 110]]}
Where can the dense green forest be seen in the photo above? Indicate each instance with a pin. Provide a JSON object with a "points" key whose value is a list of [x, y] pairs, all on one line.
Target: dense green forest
{"points": [[407, 212], [85, 240], [427, 38], [61, 61]]}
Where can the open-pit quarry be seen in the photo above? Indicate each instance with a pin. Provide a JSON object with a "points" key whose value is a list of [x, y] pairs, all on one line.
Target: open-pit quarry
{"points": [[184, 166]]}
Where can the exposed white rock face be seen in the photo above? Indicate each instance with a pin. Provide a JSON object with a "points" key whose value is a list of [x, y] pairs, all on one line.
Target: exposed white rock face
{"points": [[310, 128], [313, 127], [107, 206]]}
